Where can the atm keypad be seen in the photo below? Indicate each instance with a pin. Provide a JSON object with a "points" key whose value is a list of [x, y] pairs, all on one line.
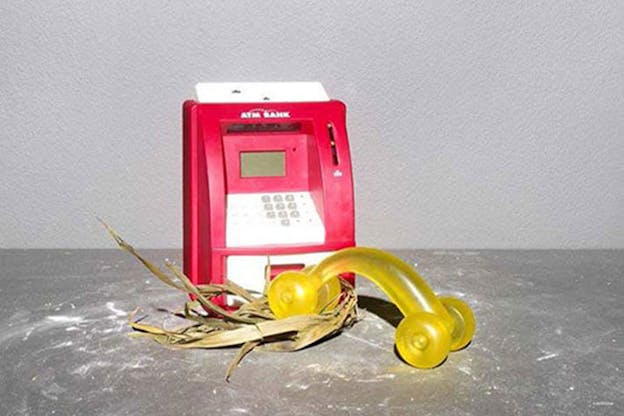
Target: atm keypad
{"points": [[275, 209], [272, 218]]}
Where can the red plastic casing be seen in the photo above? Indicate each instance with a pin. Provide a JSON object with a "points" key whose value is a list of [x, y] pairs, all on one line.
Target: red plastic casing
{"points": [[317, 160]]}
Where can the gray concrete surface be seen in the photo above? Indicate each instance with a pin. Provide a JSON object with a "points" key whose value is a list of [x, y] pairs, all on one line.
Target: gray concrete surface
{"points": [[550, 341], [472, 124]]}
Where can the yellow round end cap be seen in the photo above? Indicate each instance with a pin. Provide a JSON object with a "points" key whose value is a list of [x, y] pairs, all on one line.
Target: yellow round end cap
{"points": [[422, 340], [293, 293]]}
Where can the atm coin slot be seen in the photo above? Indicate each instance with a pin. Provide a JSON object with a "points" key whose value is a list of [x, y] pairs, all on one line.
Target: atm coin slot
{"points": [[332, 143]]}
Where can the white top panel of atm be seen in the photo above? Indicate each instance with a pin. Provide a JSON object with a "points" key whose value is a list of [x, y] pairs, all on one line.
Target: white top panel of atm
{"points": [[256, 92]]}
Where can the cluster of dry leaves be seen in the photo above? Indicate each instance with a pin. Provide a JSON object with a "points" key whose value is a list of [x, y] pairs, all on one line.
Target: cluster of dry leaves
{"points": [[252, 325]]}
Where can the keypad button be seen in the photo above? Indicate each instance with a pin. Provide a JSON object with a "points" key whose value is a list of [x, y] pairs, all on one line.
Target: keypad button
{"points": [[292, 205], [285, 222], [270, 214], [279, 205], [282, 214], [268, 207], [290, 197], [277, 198], [294, 214], [266, 198]]}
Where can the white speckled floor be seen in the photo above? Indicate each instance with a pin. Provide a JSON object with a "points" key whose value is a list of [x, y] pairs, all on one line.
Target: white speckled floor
{"points": [[550, 340]]}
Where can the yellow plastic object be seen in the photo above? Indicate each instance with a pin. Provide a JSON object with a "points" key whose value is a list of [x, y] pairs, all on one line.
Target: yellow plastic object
{"points": [[431, 327]]}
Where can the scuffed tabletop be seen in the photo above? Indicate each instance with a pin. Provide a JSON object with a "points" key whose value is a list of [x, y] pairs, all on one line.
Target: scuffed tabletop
{"points": [[549, 341]]}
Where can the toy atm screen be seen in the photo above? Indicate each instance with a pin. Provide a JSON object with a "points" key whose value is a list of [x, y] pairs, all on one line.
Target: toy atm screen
{"points": [[262, 164]]}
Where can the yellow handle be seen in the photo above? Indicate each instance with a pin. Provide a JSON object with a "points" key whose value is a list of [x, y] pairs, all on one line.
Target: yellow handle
{"points": [[432, 326]]}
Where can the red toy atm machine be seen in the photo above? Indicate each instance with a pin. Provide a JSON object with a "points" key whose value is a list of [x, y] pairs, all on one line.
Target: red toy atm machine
{"points": [[267, 174]]}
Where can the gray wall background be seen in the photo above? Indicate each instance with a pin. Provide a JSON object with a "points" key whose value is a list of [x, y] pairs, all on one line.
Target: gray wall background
{"points": [[472, 124]]}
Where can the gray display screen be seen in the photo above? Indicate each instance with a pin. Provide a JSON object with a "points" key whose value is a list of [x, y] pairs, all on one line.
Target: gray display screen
{"points": [[262, 164]]}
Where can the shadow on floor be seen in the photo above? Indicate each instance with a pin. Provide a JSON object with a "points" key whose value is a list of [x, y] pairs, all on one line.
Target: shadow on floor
{"points": [[382, 308]]}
